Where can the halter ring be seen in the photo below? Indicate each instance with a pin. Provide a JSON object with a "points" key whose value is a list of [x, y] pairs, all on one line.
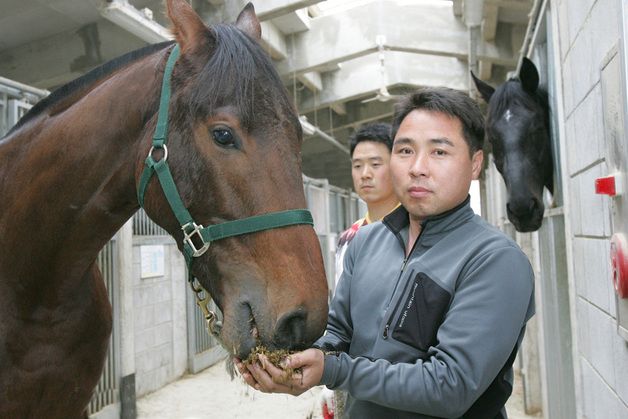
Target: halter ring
{"points": [[152, 149]]}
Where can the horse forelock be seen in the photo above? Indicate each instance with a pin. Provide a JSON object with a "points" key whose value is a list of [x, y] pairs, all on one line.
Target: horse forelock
{"points": [[240, 74], [510, 96]]}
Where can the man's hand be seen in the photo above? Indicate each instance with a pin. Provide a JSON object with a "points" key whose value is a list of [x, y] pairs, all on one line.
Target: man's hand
{"points": [[267, 378]]}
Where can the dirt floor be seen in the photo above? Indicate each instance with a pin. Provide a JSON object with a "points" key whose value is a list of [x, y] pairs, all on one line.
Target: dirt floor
{"points": [[212, 394]]}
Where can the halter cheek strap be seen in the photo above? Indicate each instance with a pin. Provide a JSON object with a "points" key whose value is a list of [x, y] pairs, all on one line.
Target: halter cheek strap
{"points": [[196, 238]]}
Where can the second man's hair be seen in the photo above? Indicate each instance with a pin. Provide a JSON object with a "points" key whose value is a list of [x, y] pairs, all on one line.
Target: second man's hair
{"points": [[378, 132]]}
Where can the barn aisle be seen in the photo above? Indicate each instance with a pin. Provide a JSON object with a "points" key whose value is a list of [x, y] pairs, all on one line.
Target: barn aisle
{"points": [[212, 394]]}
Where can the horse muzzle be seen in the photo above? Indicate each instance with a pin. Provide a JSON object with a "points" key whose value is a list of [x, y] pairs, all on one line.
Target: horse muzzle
{"points": [[526, 215]]}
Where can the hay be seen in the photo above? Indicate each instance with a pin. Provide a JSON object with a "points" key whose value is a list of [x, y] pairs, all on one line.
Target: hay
{"points": [[275, 357]]}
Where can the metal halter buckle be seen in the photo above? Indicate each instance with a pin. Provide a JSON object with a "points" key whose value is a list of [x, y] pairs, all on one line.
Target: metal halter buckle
{"points": [[187, 238]]}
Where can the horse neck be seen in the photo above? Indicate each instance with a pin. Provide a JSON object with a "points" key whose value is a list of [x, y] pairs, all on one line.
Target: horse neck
{"points": [[69, 181]]}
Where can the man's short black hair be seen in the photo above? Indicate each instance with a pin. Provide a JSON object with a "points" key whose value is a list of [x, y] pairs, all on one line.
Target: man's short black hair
{"points": [[450, 102], [378, 132]]}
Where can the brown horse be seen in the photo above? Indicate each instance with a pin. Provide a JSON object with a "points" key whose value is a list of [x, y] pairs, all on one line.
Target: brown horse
{"points": [[69, 175]]}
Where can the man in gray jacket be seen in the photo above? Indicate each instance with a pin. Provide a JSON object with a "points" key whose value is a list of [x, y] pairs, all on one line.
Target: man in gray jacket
{"points": [[433, 302]]}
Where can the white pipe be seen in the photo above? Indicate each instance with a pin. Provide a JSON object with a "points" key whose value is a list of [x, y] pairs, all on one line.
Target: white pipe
{"points": [[331, 140], [18, 88], [138, 22], [534, 17], [310, 129], [473, 15], [473, 12]]}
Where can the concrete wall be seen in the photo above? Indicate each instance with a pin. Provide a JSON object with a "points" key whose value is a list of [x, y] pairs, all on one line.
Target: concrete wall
{"points": [[160, 327], [588, 33]]}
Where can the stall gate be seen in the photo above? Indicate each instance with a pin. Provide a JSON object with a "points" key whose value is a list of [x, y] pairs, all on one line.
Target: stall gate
{"points": [[107, 390], [334, 209], [14, 103]]}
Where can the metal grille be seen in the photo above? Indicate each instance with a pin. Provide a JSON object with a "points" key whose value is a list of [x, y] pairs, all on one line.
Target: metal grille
{"points": [[107, 391], [334, 209], [11, 110], [144, 226]]}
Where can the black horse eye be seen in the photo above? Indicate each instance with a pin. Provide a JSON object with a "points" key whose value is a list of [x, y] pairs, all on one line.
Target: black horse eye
{"points": [[223, 137]]}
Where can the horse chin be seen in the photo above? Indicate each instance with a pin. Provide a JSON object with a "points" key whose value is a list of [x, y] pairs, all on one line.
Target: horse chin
{"points": [[239, 333], [527, 224]]}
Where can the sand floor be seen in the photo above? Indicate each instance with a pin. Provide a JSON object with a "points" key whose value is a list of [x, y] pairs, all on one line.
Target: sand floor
{"points": [[212, 394]]}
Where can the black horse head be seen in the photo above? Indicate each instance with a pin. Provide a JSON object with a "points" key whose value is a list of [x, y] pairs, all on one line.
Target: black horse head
{"points": [[517, 127]]}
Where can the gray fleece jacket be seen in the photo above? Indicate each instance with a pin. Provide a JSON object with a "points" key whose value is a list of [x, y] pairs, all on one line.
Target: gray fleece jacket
{"points": [[434, 334]]}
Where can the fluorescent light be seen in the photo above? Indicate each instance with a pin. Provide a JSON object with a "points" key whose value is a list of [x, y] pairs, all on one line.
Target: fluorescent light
{"points": [[139, 23]]}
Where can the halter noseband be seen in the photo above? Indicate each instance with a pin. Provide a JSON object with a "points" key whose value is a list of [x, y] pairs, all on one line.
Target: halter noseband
{"points": [[191, 230]]}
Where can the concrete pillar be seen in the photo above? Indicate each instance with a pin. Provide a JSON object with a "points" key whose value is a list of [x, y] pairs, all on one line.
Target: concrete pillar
{"points": [[125, 276], [124, 238]]}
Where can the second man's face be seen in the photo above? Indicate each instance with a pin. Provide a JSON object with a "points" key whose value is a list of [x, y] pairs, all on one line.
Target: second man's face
{"points": [[370, 171]]}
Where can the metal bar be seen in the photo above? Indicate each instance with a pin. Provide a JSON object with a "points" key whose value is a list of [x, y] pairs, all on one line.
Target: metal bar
{"points": [[21, 87]]}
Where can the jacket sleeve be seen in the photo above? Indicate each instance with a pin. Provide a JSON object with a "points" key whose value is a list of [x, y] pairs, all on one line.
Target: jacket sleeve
{"points": [[484, 323]]}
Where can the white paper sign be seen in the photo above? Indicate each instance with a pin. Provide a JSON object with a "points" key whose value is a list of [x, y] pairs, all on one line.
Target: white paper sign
{"points": [[152, 258]]}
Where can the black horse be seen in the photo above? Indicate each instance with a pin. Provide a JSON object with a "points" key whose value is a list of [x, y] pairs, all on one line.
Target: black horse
{"points": [[518, 129]]}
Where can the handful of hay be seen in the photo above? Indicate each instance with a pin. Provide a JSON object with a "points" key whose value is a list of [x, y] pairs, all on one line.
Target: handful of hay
{"points": [[275, 357]]}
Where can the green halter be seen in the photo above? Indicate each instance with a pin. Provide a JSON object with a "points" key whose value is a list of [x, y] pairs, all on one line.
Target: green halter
{"points": [[192, 230]]}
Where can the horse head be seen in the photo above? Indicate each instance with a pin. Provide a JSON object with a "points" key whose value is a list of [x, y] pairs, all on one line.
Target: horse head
{"points": [[517, 127], [234, 143]]}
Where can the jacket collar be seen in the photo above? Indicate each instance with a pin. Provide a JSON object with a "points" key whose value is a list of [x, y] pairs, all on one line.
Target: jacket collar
{"points": [[400, 219]]}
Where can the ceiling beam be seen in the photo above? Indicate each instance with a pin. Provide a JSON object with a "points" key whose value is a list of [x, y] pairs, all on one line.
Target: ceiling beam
{"points": [[273, 41], [270, 9], [293, 22], [434, 31], [489, 24], [362, 77], [357, 113], [58, 59]]}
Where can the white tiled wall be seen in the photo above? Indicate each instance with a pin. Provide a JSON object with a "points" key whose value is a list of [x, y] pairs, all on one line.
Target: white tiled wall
{"points": [[588, 30], [160, 322]]}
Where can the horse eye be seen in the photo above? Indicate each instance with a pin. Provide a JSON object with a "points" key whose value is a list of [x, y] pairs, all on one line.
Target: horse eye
{"points": [[223, 137]]}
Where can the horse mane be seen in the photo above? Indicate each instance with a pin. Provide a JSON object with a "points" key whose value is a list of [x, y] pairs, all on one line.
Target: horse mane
{"points": [[87, 79], [241, 74], [512, 93]]}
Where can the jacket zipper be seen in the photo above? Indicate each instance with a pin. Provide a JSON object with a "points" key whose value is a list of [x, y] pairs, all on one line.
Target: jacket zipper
{"points": [[390, 318], [403, 267]]}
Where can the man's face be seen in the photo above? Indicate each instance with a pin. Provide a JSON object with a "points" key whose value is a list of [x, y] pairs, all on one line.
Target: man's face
{"points": [[370, 171], [430, 165]]}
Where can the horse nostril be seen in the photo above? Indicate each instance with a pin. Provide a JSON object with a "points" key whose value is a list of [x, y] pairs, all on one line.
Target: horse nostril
{"points": [[523, 208], [290, 332]]}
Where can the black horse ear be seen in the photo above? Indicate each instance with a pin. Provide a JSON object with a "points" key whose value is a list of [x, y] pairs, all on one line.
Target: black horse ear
{"points": [[248, 22], [529, 76], [485, 89], [187, 27]]}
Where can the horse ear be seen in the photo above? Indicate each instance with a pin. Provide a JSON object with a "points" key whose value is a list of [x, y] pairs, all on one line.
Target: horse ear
{"points": [[248, 22], [188, 28], [485, 89], [529, 76]]}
